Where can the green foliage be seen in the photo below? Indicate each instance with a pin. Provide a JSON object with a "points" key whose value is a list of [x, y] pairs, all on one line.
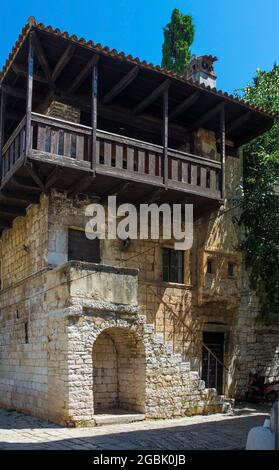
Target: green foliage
{"points": [[178, 37], [260, 199]]}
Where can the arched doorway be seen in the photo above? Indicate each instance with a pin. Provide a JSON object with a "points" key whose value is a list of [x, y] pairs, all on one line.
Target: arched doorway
{"points": [[118, 371]]}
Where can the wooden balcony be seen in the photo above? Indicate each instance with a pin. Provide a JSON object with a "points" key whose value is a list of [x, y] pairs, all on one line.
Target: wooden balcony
{"points": [[120, 94], [61, 156]]}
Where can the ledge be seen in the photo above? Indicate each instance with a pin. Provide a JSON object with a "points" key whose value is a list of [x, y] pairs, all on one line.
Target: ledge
{"points": [[92, 285]]}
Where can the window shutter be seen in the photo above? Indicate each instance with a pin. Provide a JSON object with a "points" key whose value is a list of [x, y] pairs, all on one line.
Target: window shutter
{"points": [[80, 248]]}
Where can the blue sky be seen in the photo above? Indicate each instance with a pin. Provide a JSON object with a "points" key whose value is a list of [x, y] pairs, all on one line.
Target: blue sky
{"points": [[243, 34]]}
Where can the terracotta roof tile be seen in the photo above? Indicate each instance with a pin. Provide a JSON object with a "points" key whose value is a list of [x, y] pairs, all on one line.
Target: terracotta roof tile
{"points": [[31, 24]]}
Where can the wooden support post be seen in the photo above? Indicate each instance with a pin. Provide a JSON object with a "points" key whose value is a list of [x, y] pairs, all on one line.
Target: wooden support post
{"points": [[28, 133], [165, 137], [223, 150], [94, 116], [2, 128]]}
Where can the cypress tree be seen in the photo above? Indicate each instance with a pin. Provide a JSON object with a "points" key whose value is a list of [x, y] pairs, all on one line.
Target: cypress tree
{"points": [[178, 37]]}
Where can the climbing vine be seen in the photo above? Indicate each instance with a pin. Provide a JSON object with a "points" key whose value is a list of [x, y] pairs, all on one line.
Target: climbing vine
{"points": [[260, 197]]}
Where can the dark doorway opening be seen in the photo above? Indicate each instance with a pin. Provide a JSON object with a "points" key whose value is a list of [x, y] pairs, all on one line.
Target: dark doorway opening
{"points": [[212, 369]]}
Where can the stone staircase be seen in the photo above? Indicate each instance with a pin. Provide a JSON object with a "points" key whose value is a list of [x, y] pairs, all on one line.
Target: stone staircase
{"points": [[201, 399]]}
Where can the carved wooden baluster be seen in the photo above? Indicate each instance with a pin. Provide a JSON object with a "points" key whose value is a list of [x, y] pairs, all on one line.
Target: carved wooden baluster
{"points": [[194, 174], [107, 153], [152, 164], [203, 177], [184, 172], [80, 147], [141, 161], [54, 136], [130, 158], [174, 170], [213, 180], [67, 144], [119, 156], [28, 134], [2, 128]]}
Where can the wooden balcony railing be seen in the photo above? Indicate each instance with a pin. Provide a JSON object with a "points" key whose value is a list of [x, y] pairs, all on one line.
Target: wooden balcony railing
{"points": [[14, 148], [69, 144]]}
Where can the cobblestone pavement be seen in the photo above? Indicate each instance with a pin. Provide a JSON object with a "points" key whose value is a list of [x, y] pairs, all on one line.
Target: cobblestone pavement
{"points": [[19, 431]]}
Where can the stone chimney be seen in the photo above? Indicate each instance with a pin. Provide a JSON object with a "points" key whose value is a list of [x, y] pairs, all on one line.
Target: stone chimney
{"points": [[63, 111], [201, 70]]}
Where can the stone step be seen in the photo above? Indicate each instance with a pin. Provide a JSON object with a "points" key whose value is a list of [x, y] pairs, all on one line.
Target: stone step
{"points": [[169, 348], [158, 338], [117, 417], [149, 327], [185, 366]]}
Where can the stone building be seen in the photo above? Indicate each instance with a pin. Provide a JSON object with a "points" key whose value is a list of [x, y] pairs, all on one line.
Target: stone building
{"points": [[86, 325]]}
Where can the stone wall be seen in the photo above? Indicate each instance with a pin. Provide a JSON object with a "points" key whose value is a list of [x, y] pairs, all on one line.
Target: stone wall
{"points": [[23, 331], [51, 321], [23, 250], [63, 111], [118, 371], [256, 343], [152, 381], [179, 312], [105, 379]]}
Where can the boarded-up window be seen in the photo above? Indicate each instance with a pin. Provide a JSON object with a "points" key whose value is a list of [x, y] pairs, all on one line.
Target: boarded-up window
{"points": [[80, 248]]}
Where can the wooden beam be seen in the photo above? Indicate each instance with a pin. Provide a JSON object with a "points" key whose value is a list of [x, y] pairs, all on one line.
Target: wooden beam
{"points": [[166, 137], [23, 183], [5, 223], [94, 94], [12, 211], [121, 85], [63, 61], [21, 71], [44, 104], [18, 93], [41, 56], [206, 117], [13, 116], [29, 96], [54, 175], [223, 150], [2, 126], [80, 185], [231, 151], [36, 177], [185, 104], [23, 197], [125, 116], [238, 122], [152, 96], [254, 132], [144, 122], [152, 196], [83, 74], [117, 189]]}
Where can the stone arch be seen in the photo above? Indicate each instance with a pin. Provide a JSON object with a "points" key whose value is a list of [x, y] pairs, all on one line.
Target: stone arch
{"points": [[119, 371]]}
